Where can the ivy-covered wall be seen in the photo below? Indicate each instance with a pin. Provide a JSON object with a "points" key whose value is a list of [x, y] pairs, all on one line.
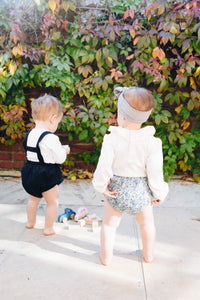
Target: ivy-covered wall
{"points": [[81, 61]]}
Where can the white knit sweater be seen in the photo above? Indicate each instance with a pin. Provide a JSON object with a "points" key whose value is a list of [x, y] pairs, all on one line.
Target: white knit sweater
{"points": [[131, 153], [51, 149]]}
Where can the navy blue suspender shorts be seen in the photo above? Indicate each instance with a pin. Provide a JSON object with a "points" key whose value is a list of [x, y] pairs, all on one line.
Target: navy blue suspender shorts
{"points": [[39, 177]]}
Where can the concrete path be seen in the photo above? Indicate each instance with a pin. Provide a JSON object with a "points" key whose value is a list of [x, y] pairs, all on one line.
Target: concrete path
{"points": [[67, 266]]}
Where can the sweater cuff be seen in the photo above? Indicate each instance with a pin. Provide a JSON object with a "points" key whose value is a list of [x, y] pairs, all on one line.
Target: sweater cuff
{"points": [[161, 194], [99, 188]]}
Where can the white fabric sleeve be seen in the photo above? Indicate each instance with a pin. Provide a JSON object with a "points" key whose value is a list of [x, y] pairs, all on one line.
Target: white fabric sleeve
{"points": [[154, 167], [52, 149], [103, 172]]}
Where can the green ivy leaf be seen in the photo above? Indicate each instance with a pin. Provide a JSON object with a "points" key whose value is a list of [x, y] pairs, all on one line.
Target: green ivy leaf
{"points": [[186, 45], [157, 119], [56, 35], [83, 135], [105, 85], [9, 83], [103, 130], [164, 118], [185, 113], [166, 113], [3, 94], [190, 105], [98, 55]]}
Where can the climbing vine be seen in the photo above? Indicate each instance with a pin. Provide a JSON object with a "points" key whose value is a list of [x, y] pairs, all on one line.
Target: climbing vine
{"points": [[80, 60]]}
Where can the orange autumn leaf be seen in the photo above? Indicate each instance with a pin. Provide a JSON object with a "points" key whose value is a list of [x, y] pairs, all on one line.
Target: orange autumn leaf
{"points": [[158, 52], [12, 67], [178, 109], [185, 124], [52, 4], [17, 50]]}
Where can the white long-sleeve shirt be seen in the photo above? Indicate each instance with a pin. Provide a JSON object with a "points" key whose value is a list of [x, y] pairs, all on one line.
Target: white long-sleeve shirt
{"points": [[50, 147], [131, 153]]}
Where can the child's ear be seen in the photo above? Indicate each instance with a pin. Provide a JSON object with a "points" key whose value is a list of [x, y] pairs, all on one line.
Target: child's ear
{"points": [[53, 117]]}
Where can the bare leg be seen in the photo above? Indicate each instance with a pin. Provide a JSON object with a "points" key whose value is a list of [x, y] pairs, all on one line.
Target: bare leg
{"points": [[145, 219], [51, 196], [111, 221], [31, 208]]}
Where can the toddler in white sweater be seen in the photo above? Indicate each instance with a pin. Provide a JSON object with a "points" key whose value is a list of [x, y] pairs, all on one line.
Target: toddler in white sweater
{"points": [[130, 171]]}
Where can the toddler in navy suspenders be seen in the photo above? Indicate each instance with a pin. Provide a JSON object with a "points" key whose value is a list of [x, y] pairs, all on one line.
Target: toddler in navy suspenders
{"points": [[41, 174]]}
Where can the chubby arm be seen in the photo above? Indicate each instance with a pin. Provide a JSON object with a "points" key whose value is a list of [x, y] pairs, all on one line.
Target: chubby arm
{"points": [[154, 167], [103, 172], [53, 150]]}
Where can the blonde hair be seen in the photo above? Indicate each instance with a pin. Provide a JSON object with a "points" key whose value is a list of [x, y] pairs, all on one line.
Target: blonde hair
{"points": [[139, 98], [44, 106]]}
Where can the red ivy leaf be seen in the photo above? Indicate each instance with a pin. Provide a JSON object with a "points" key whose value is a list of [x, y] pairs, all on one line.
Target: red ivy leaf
{"points": [[111, 20], [64, 25], [136, 40], [131, 13], [130, 57], [126, 14], [116, 28], [107, 29], [112, 35]]}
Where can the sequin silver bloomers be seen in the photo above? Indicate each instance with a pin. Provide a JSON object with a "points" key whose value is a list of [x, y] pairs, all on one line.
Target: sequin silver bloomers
{"points": [[133, 194]]}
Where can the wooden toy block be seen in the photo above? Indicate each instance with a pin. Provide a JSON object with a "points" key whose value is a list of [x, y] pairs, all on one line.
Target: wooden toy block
{"points": [[72, 225], [88, 222], [90, 218], [95, 226], [95, 223], [99, 219], [81, 223]]}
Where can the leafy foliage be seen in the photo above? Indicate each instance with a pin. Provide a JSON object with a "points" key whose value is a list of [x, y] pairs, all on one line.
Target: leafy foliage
{"points": [[157, 47]]}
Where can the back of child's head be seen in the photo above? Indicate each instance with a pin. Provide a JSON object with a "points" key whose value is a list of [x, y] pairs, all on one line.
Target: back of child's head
{"points": [[139, 98], [44, 106]]}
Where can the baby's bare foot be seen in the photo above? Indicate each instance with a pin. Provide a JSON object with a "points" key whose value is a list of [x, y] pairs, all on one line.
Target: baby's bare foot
{"points": [[149, 259], [104, 261], [28, 226], [49, 232]]}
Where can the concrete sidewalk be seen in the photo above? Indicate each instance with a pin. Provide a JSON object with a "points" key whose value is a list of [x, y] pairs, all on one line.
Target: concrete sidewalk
{"points": [[67, 266]]}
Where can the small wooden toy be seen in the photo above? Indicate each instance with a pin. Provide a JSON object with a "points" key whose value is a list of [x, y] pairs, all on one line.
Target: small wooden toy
{"points": [[81, 223], [81, 213]]}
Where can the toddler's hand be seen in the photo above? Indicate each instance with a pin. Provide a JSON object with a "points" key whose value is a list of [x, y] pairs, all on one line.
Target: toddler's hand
{"points": [[67, 148], [109, 194]]}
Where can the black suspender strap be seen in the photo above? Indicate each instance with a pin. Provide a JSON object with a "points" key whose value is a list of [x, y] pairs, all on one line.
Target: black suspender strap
{"points": [[25, 140], [37, 148]]}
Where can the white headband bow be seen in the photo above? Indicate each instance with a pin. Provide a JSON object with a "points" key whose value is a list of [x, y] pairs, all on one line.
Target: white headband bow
{"points": [[127, 111]]}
